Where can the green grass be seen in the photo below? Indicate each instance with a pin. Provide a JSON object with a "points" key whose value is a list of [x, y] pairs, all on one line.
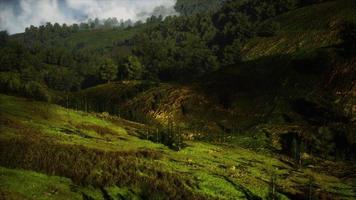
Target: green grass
{"points": [[56, 141], [20, 184], [71, 153], [16, 184], [67, 126]]}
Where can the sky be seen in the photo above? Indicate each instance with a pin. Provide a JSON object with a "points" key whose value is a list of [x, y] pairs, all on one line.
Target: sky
{"points": [[16, 15]]}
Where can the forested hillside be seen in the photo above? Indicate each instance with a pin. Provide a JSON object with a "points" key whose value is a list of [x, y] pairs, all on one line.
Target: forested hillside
{"points": [[248, 99], [186, 7]]}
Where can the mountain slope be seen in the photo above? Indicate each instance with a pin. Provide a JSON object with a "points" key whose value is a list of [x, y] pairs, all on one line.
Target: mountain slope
{"points": [[281, 78], [100, 152], [303, 30]]}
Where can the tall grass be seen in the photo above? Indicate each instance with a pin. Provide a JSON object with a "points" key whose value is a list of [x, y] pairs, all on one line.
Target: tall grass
{"points": [[97, 168]]}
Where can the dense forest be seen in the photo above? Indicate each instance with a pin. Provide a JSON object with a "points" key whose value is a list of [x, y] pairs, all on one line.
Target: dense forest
{"points": [[186, 47]]}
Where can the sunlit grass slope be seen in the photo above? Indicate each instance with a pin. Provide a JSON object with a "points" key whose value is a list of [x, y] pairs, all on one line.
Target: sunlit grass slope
{"points": [[97, 156]]}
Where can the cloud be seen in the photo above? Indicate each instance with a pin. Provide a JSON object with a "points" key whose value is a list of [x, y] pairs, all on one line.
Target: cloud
{"points": [[16, 15]]}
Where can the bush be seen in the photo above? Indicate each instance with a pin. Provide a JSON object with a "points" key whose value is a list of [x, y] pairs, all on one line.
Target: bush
{"points": [[10, 82], [37, 91]]}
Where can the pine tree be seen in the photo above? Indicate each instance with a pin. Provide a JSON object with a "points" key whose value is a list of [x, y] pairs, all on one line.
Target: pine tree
{"points": [[134, 68]]}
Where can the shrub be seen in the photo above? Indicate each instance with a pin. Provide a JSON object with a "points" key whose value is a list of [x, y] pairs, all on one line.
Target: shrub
{"points": [[37, 91], [10, 82]]}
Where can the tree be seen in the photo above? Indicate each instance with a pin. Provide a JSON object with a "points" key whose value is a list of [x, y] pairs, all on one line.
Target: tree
{"points": [[295, 150], [10, 82], [234, 28], [260, 10], [57, 28], [272, 193], [97, 22], [108, 70], [190, 7], [49, 26], [134, 68], [84, 26], [67, 60], [4, 37], [29, 74], [36, 90], [232, 25], [65, 31], [63, 79], [75, 28], [232, 53]]}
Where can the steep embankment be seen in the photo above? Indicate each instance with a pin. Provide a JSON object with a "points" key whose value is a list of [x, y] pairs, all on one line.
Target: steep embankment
{"points": [[101, 157]]}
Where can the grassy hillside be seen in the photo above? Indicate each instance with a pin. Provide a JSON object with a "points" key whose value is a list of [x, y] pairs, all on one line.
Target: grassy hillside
{"points": [[280, 123], [273, 66], [151, 102], [303, 30], [20, 184], [103, 155]]}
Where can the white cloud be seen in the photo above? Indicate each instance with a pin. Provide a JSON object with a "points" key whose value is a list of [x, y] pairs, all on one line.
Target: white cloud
{"points": [[37, 12], [121, 9]]}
